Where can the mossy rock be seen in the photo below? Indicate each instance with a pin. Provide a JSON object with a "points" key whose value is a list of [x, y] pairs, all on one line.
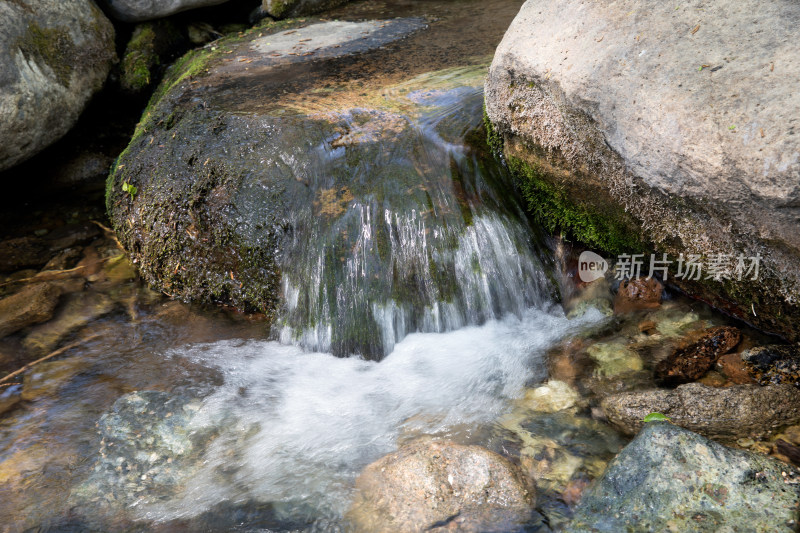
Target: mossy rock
{"points": [[354, 215], [56, 56]]}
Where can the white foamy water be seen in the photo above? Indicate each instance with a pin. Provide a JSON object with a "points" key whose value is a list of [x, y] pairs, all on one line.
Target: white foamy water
{"points": [[296, 427]]}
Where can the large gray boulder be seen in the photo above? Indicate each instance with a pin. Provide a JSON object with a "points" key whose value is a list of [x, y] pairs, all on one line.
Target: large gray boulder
{"points": [[54, 55], [141, 10], [727, 414], [280, 9], [428, 485], [670, 479], [656, 128]]}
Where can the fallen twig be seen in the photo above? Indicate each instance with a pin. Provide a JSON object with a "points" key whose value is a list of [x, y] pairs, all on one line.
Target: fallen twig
{"points": [[109, 232], [48, 356]]}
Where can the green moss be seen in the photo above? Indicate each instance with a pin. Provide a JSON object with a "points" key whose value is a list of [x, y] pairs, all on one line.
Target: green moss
{"points": [[493, 138], [53, 47], [140, 58], [552, 208], [278, 8]]}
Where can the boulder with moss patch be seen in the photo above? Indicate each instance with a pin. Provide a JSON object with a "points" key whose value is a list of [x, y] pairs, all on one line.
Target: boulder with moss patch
{"points": [[54, 56], [277, 171], [613, 117]]}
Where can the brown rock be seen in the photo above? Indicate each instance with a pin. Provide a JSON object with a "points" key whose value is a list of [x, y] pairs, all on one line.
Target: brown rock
{"points": [[9, 397], [429, 484], [648, 326], [691, 362], [78, 310], [638, 293], [725, 414], [732, 366], [31, 305]]}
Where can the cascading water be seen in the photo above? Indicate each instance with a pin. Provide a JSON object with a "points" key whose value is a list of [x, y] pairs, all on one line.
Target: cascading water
{"points": [[426, 237], [418, 257]]}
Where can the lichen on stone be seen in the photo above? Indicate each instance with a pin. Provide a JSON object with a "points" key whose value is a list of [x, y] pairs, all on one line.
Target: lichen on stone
{"points": [[51, 46]]}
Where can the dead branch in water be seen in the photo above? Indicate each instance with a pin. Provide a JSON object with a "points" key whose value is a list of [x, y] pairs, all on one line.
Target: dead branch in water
{"points": [[48, 356]]}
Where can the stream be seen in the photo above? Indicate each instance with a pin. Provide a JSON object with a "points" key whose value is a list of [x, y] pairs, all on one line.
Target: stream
{"points": [[168, 416]]}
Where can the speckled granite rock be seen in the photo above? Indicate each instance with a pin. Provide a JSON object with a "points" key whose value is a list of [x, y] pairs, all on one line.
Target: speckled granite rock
{"points": [[670, 479]]}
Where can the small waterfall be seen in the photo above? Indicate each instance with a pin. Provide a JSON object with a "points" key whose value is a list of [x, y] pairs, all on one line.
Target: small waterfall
{"points": [[424, 235]]}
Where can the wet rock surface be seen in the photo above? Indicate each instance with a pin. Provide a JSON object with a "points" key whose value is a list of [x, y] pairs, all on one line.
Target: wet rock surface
{"points": [[437, 485], [669, 478], [636, 294], [773, 364], [691, 362], [77, 310], [57, 54], [719, 413], [31, 305]]}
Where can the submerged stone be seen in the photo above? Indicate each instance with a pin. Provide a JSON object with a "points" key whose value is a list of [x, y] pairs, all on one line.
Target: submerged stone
{"points": [[691, 362], [146, 442], [31, 305], [638, 293], [773, 364]]}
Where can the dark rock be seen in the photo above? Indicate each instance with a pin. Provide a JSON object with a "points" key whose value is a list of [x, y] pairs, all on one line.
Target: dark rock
{"points": [[719, 413], [638, 293], [72, 235], [56, 56], [23, 252], [246, 194], [31, 305], [670, 479], [774, 364], [430, 484], [788, 450], [690, 363]]}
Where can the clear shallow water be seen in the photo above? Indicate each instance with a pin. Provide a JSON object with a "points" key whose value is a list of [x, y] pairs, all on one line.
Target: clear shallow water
{"points": [[297, 427]]}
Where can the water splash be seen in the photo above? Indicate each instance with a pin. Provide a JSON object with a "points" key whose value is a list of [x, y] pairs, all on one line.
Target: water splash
{"points": [[294, 428]]}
